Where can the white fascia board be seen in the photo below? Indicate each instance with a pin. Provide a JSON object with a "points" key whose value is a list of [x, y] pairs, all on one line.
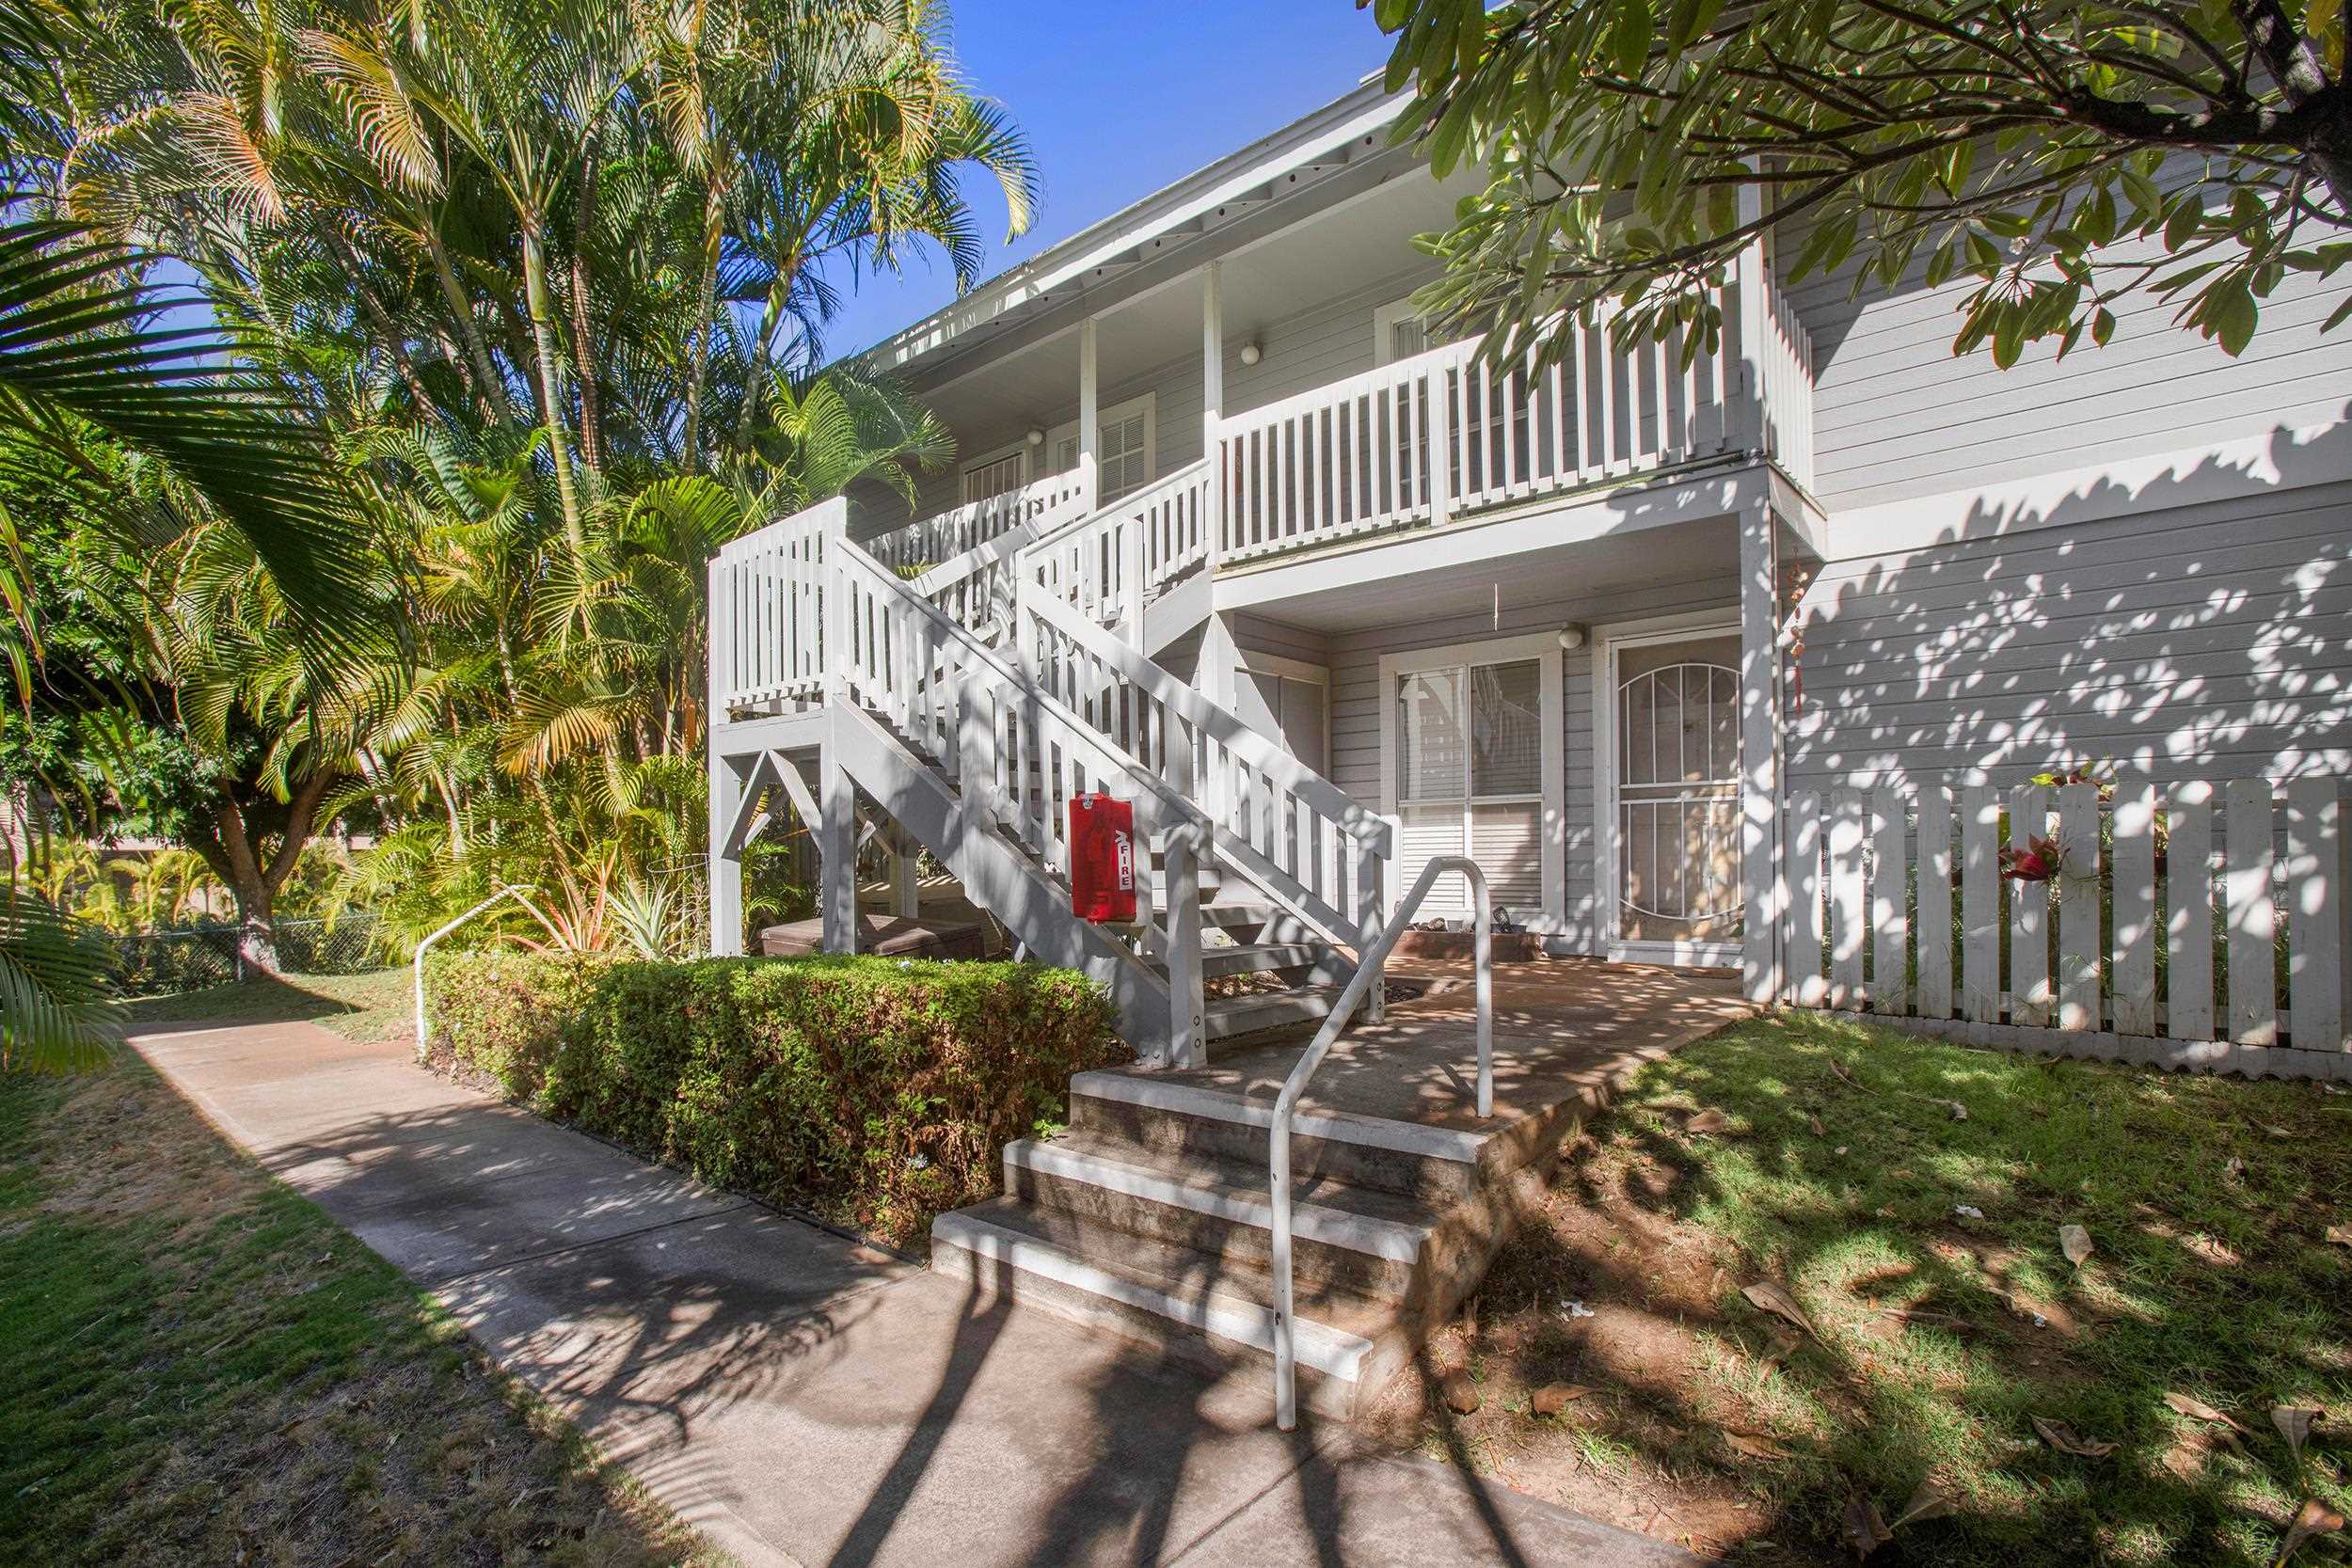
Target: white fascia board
{"points": [[1302, 145]]}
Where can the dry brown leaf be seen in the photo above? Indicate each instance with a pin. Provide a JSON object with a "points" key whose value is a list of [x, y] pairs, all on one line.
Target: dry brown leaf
{"points": [[1926, 1503], [1754, 1448], [1960, 1112], [1706, 1121], [1866, 1527], [2340, 1234], [2061, 1437], [2197, 1410], [1461, 1394], [2295, 1424], [1552, 1397], [1815, 1123], [2075, 1242], [1773, 1299], [2314, 1518]]}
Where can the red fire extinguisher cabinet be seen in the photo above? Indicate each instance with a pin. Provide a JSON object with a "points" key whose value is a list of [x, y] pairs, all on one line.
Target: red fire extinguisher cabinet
{"points": [[1102, 859]]}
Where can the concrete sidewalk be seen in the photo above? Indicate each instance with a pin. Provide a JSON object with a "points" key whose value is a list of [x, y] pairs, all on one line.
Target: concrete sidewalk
{"points": [[803, 1400]]}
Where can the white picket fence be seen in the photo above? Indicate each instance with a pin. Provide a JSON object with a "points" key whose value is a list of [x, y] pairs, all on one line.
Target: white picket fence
{"points": [[2201, 925]]}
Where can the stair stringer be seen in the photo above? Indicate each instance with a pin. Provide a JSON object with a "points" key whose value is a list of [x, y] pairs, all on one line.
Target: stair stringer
{"points": [[998, 878]]}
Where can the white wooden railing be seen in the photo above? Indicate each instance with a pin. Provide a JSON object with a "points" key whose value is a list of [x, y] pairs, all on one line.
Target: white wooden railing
{"points": [[1111, 564], [1297, 837], [935, 540], [766, 626], [1427, 438], [1899, 907]]}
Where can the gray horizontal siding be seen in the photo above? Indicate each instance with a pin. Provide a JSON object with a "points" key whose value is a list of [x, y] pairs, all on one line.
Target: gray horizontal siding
{"points": [[1897, 416], [2211, 641]]}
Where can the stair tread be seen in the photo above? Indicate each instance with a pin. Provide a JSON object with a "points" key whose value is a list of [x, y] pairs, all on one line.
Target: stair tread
{"points": [[1256, 958], [1183, 1272], [1264, 1009], [1323, 1209]]}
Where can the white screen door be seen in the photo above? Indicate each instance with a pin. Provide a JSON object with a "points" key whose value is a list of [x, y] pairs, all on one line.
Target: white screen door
{"points": [[1676, 807]]}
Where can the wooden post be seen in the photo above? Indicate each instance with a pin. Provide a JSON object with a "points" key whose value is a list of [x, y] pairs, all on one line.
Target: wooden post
{"points": [[1748, 289], [1372, 914], [1808, 987], [1213, 408], [1187, 1042], [836, 844], [1763, 882], [1090, 415], [724, 870]]}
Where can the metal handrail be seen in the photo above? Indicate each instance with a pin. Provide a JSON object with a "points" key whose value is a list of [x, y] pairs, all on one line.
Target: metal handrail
{"points": [[520, 893], [1369, 967]]}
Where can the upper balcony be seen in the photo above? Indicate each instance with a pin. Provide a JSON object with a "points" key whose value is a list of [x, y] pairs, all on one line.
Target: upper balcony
{"points": [[1436, 438]]}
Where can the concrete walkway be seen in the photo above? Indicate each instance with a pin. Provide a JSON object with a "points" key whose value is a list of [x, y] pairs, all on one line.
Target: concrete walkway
{"points": [[805, 1401]]}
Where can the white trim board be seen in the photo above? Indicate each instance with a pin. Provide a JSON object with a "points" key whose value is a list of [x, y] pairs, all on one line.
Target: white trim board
{"points": [[1544, 647], [2128, 486]]}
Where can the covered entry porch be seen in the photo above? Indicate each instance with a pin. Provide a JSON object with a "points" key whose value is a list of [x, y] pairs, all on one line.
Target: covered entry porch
{"points": [[1585, 696]]}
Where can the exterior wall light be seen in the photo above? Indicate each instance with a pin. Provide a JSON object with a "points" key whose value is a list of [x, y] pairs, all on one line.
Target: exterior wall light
{"points": [[1251, 353], [1036, 436], [1571, 638]]}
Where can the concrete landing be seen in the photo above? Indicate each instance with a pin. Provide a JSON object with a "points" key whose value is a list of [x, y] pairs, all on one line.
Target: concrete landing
{"points": [[1565, 1031], [806, 1400]]}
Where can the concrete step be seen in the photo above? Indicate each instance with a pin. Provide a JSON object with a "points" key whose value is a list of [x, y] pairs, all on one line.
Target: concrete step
{"points": [[1262, 958], [1376, 1245], [1274, 1009], [1188, 1306], [1176, 1117]]}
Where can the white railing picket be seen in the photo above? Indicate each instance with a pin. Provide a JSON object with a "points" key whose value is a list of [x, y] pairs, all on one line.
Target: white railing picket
{"points": [[2247, 872], [2134, 879], [1980, 904], [1933, 919], [1890, 879], [2188, 992], [2317, 914], [2029, 1000], [2079, 885], [1849, 930], [1809, 984]]}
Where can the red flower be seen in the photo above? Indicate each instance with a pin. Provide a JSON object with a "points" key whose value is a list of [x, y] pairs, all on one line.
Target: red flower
{"points": [[2036, 862]]}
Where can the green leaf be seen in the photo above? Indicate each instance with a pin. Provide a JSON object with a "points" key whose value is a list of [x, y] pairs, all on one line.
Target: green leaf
{"points": [[1630, 34], [2232, 313], [2188, 211], [2336, 317], [2102, 326]]}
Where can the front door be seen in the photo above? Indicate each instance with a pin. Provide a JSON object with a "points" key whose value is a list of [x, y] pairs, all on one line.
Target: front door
{"points": [[1674, 800]]}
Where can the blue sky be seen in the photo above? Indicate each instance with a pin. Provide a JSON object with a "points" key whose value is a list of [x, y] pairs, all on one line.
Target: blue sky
{"points": [[1119, 99]]}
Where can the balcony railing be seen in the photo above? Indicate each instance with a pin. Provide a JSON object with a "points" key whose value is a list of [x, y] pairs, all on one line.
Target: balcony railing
{"points": [[1425, 439]]}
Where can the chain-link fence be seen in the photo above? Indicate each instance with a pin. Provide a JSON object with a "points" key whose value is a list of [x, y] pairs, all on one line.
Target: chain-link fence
{"points": [[163, 963]]}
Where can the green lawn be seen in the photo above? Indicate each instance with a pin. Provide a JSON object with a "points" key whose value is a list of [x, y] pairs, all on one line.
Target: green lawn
{"points": [[1935, 1336], [371, 1006], [198, 1367]]}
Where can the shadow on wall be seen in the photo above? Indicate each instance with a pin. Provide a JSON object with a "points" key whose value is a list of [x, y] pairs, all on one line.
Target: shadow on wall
{"points": [[2197, 625]]}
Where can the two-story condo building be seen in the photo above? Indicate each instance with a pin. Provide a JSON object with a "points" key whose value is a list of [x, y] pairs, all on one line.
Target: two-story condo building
{"points": [[1707, 664]]}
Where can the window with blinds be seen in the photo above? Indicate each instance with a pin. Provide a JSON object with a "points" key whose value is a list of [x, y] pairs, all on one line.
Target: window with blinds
{"points": [[1123, 449], [1470, 779], [994, 477]]}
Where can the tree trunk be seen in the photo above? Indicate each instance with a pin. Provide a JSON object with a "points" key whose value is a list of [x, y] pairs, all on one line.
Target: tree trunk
{"points": [[257, 929], [551, 384], [493, 388], [714, 229], [583, 345]]}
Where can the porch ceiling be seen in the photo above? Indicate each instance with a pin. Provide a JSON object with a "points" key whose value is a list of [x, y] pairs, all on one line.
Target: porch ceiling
{"points": [[1342, 250], [1351, 593]]}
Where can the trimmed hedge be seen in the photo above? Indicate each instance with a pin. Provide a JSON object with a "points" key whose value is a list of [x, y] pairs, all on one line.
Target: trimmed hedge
{"points": [[876, 1091]]}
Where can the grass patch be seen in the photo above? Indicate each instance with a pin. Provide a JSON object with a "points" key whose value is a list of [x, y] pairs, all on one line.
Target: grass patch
{"points": [[1839, 1172], [197, 1366], [373, 1007]]}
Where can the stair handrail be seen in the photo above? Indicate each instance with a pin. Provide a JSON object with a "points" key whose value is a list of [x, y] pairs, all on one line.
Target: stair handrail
{"points": [[1369, 829], [519, 892], [1369, 968], [1010, 676], [1042, 562]]}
